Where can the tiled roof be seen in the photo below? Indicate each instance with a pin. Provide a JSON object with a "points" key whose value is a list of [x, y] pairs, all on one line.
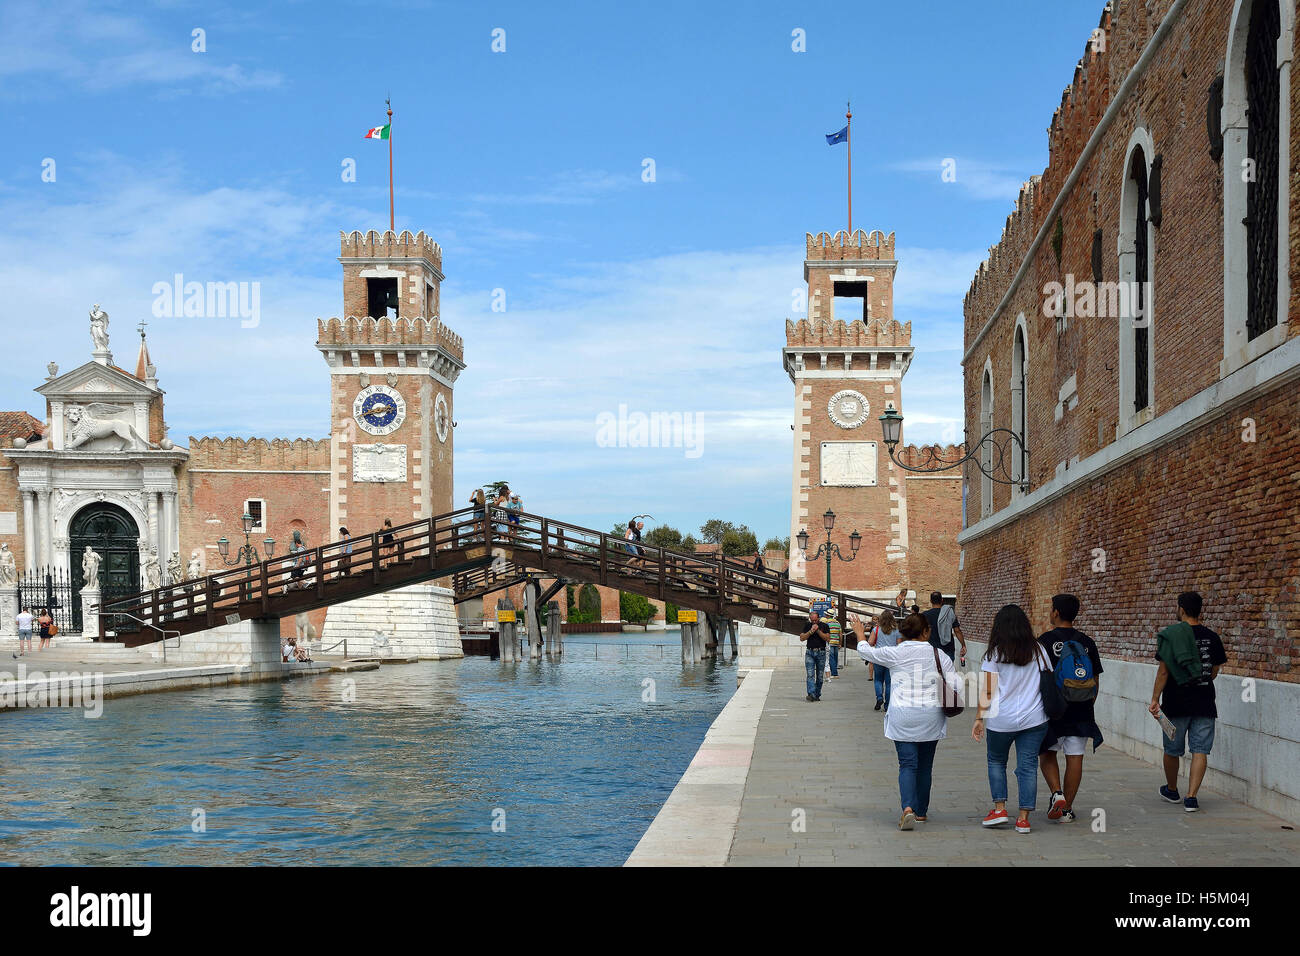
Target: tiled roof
{"points": [[19, 425]]}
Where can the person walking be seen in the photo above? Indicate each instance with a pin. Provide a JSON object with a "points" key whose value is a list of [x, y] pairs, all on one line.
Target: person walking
{"points": [[299, 568], [833, 645], [46, 624], [24, 621], [345, 563], [1078, 724], [1190, 655], [884, 634], [944, 626], [814, 639], [478, 501], [513, 507], [916, 723], [1010, 710], [386, 539]]}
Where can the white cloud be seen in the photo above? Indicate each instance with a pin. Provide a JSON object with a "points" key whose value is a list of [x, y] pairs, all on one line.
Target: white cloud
{"points": [[974, 178]]}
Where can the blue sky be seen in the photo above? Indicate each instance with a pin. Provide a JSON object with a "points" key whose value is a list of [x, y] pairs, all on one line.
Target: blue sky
{"points": [[526, 166]]}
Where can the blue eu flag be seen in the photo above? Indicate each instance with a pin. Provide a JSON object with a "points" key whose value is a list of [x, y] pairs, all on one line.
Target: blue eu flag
{"points": [[841, 136]]}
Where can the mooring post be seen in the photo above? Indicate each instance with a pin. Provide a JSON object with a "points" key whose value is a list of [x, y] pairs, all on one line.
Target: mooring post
{"points": [[703, 636], [688, 642], [506, 631], [532, 617], [554, 630]]}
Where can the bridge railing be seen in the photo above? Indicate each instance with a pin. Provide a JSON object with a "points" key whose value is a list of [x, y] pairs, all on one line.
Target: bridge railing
{"points": [[610, 559]]}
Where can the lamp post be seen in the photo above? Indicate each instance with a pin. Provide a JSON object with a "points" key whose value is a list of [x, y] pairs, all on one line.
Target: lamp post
{"points": [[1003, 445], [829, 548], [247, 555]]}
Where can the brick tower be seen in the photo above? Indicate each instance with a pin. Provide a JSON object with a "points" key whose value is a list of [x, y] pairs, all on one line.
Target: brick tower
{"points": [[393, 365], [846, 369]]}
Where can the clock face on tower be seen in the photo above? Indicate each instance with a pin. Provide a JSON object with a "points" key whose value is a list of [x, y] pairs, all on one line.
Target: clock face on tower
{"points": [[379, 410], [848, 408], [441, 418]]}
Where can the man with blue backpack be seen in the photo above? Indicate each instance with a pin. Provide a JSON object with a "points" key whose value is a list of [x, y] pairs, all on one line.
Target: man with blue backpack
{"points": [[1077, 667]]}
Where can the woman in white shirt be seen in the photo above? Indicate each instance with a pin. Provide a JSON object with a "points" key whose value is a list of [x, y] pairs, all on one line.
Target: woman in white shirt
{"points": [[915, 722], [1011, 711]]}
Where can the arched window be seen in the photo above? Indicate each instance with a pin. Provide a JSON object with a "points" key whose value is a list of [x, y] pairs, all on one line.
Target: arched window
{"points": [[1256, 131], [986, 450], [1019, 404], [1135, 299]]}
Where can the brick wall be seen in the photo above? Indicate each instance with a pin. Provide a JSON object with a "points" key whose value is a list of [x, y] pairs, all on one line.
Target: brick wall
{"points": [[1206, 511], [933, 523], [222, 474]]}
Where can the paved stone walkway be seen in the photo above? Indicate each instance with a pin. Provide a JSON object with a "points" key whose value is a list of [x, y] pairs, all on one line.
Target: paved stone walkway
{"points": [[832, 761]]}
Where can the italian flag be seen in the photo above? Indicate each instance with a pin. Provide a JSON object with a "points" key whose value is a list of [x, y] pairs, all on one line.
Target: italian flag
{"points": [[379, 132]]}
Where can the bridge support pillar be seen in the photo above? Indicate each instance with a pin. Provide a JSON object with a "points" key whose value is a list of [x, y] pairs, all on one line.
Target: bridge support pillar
{"points": [[506, 633], [554, 630]]}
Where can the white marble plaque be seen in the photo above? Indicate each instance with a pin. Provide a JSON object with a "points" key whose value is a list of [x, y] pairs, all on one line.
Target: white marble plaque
{"points": [[849, 464], [379, 462], [8, 522]]}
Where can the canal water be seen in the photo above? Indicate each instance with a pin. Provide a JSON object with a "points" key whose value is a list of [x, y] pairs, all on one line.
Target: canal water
{"points": [[468, 762]]}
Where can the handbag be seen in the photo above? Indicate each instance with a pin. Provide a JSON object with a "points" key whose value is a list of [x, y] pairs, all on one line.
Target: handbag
{"points": [[1053, 698], [54, 629], [948, 696]]}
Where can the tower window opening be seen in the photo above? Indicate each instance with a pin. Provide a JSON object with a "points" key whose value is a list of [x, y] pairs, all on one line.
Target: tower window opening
{"points": [[852, 300], [381, 298]]}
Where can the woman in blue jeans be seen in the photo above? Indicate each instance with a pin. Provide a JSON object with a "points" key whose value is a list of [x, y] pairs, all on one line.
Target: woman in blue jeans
{"points": [[1011, 711], [884, 634], [915, 722]]}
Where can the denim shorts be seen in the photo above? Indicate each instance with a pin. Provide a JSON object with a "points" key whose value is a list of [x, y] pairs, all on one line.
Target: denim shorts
{"points": [[1196, 731]]}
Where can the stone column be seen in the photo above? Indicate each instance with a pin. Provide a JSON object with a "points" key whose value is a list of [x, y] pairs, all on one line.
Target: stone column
{"points": [[154, 521], [90, 598], [43, 530], [29, 530], [168, 531], [8, 611]]}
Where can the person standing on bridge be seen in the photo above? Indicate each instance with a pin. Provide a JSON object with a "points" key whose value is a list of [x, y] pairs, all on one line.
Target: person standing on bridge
{"points": [[916, 723], [815, 639], [345, 563], [388, 545]]}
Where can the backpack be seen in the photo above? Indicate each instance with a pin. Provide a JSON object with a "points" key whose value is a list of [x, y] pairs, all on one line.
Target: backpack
{"points": [[1074, 673]]}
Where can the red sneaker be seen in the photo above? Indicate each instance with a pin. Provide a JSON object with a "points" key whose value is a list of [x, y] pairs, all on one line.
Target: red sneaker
{"points": [[1058, 806], [1022, 826], [996, 818]]}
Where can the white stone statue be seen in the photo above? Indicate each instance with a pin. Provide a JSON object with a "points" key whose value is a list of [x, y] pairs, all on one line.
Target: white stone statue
{"points": [[195, 570], [8, 567], [174, 573], [90, 567], [99, 328], [98, 420], [152, 571]]}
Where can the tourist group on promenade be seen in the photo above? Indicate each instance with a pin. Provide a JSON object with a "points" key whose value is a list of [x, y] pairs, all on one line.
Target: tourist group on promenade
{"points": [[1035, 694]]}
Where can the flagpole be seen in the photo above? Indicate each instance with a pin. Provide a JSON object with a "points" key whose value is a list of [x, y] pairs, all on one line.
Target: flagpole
{"points": [[848, 115], [392, 224]]}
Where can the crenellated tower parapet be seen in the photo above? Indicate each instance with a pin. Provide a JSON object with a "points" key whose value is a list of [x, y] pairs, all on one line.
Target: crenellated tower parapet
{"points": [[389, 245], [278, 454], [860, 244], [411, 334]]}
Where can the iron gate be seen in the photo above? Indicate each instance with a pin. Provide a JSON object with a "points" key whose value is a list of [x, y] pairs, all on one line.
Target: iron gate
{"points": [[51, 588]]}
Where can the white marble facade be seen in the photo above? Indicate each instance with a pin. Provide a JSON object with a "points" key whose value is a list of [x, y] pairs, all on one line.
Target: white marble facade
{"points": [[97, 450]]}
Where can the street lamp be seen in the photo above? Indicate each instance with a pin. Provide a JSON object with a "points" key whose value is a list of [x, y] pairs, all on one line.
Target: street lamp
{"points": [[1003, 444], [829, 548], [247, 554]]}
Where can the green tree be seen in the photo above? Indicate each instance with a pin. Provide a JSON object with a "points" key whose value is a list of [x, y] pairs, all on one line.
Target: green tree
{"points": [[689, 544], [664, 536], [635, 608], [670, 612], [713, 530], [739, 542], [778, 544]]}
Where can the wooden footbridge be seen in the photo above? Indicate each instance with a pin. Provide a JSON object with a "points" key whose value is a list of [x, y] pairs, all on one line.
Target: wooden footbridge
{"points": [[478, 557]]}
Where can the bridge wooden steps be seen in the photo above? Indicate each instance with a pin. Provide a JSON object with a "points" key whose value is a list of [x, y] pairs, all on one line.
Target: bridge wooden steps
{"points": [[476, 558]]}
